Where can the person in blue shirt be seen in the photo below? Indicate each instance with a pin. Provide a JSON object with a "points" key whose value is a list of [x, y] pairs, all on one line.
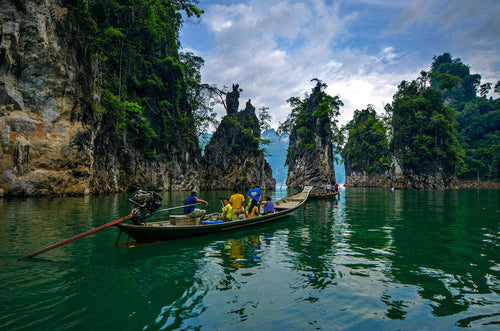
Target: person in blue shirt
{"points": [[190, 211], [254, 193], [268, 206]]}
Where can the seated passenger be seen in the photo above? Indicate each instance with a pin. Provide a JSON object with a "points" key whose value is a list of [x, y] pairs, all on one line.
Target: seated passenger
{"points": [[227, 211], [328, 188], [190, 211], [253, 210], [268, 206]]}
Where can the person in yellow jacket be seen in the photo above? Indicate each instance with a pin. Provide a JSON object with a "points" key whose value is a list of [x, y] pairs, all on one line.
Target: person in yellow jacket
{"points": [[237, 201], [253, 209], [227, 211]]}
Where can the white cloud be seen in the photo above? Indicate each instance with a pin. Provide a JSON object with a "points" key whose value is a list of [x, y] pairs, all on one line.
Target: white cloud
{"points": [[465, 21], [272, 49], [487, 31], [416, 11], [380, 3]]}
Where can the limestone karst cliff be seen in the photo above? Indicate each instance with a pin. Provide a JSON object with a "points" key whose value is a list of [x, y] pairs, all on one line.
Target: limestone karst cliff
{"points": [[89, 104], [414, 148], [59, 135], [42, 150], [310, 153], [232, 157]]}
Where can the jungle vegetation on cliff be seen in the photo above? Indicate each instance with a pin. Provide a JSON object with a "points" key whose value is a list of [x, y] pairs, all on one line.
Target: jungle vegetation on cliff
{"points": [[478, 117], [423, 134], [136, 85], [367, 148], [314, 116], [438, 124], [313, 130]]}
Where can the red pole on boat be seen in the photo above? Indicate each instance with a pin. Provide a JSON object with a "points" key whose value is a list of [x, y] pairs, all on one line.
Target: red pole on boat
{"points": [[81, 235]]}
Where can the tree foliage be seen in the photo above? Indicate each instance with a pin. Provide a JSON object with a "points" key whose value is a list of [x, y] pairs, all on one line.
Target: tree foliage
{"points": [[201, 97], [367, 148], [312, 122], [316, 110], [424, 137], [496, 89], [478, 126], [477, 119], [453, 78], [135, 83], [264, 118]]}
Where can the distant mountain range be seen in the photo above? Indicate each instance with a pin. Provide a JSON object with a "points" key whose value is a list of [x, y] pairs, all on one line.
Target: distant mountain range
{"points": [[339, 169], [276, 155], [203, 140]]}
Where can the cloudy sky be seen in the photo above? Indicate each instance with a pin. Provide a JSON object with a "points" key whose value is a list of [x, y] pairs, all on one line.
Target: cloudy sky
{"points": [[362, 49]]}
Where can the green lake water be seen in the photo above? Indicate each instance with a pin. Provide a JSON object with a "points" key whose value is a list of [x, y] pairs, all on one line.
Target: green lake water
{"points": [[377, 260]]}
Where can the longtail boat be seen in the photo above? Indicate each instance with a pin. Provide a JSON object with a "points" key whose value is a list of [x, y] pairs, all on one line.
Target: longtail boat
{"points": [[324, 195], [179, 226]]}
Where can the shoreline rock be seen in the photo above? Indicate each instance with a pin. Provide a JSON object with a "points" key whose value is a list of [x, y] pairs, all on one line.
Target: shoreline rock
{"points": [[430, 182], [474, 184]]}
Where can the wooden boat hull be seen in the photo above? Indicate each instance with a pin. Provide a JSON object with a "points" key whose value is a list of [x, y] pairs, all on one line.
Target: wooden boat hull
{"points": [[161, 231], [317, 196]]}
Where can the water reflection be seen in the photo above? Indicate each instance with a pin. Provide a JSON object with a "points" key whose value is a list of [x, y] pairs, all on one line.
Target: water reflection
{"points": [[242, 253], [427, 239], [314, 246], [181, 273], [377, 259]]}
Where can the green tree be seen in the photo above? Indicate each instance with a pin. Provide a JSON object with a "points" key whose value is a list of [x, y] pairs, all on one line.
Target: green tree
{"points": [[445, 68], [447, 82], [484, 89], [316, 110], [477, 119], [367, 147], [496, 89], [478, 126], [201, 97], [424, 137], [264, 118], [135, 84]]}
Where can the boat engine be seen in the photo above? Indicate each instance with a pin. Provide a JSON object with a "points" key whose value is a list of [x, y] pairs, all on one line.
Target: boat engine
{"points": [[146, 202]]}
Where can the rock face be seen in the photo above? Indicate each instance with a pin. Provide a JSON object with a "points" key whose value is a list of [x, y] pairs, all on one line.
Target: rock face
{"points": [[397, 178], [49, 144], [232, 100], [41, 151], [312, 165], [232, 157]]}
